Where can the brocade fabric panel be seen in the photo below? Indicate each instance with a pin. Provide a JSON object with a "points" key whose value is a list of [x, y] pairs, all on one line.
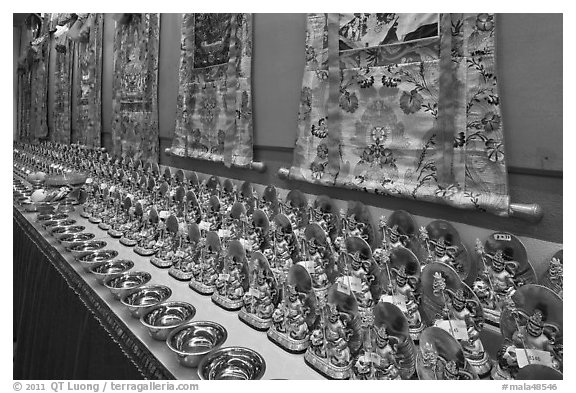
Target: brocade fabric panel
{"points": [[135, 86], [416, 112], [61, 129], [214, 115], [87, 108]]}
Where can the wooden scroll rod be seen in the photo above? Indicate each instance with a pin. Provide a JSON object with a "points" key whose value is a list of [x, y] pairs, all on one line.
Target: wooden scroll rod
{"points": [[258, 166], [531, 212]]}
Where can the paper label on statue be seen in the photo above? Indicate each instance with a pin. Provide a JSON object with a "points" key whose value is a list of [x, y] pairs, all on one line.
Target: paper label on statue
{"points": [[223, 233], [343, 288], [308, 265], [399, 300], [204, 225], [456, 327], [502, 236], [254, 292], [247, 244], [223, 277], [354, 282], [164, 214], [372, 357], [180, 254], [533, 356]]}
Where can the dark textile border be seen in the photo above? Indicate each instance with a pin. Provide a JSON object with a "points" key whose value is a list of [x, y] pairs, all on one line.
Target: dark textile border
{"points": [[146, 363]]}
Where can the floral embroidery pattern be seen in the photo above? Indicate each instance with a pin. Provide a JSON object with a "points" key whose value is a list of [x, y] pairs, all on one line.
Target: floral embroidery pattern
{"points": [[214, 117], [394, 136]]}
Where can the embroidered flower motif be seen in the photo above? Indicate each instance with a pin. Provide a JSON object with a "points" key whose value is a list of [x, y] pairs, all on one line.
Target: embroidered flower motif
{"points": [[320, 130], [209, 110], [411, 102], [485, 22], [378, 134], [317, 169], [349, 102], [322, 151], [491, 122], [494, 150], [447, 192]]}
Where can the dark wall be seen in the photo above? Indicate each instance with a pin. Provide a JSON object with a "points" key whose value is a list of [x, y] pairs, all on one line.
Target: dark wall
{"points": [[530, 76]]}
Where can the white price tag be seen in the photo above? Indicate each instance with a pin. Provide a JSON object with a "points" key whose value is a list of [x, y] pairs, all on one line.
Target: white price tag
{"points": [[204, 225], [223, 233], [373, 357], [247, 244], [342, 287], [308, 265], [533, 356], [254, 292], [164, 214], [180, 254], [355, 283], [223, 276], [456, 327], [89, 180], [398, 300]]}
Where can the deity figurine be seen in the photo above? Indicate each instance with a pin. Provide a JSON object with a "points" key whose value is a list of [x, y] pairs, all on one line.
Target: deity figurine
{"points": [[553, 276], [441, 357], [285, 245], [167, 244], [185, 257], [204, 278], [258, 236], [325, 214], [232, 281], [213, 213], [358, 222], [149, 235], [295, 314], [361, 272], [269, 202], [193, 209], [228, 193], [503, 269], [296, 209], [238, 221], [532, 322], [506, 367], [339, 330], [246, 197], [133, 228], [322, 271], [262, 296], [401, 286]]}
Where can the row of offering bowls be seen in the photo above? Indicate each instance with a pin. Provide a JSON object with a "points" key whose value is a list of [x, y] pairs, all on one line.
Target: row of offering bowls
{"points": [[197, 344]]}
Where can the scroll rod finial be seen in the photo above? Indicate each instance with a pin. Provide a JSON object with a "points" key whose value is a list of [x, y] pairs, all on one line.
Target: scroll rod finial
{"points": [[531, 212], [283, 173]]}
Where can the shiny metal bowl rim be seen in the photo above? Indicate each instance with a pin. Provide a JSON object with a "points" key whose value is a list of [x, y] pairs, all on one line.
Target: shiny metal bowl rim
{"points": [[83, 243], [187, 325], [223, 350], [146, 287], [172, 303], [139, 273], [112, 262], [113, 252]]}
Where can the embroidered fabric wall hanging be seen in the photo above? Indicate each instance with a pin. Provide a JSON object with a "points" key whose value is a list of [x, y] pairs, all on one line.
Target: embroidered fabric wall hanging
{"points": [[135, 98], [32, 115], [87, 105], [404, 105], [64, 56], [214, 117]]}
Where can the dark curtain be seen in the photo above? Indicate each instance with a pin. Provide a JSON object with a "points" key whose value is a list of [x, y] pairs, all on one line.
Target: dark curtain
{"points": [[57, 336]]}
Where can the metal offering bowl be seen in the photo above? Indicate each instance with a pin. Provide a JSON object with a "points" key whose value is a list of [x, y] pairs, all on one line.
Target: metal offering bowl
{"points": [[127, 282], [232, 363], [80, 249], [111, 269], [97, 258], [163, 318], [144, 298], [75, 238], [59, 231], [49, 217], [48, 225], [192, 341]]}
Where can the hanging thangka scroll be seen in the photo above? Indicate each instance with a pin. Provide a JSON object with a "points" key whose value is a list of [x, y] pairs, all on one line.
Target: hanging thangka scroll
{"points": [[32, 116], [135, 103], [214, 118], [64, 55], [404, 105], [87, 105]]}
